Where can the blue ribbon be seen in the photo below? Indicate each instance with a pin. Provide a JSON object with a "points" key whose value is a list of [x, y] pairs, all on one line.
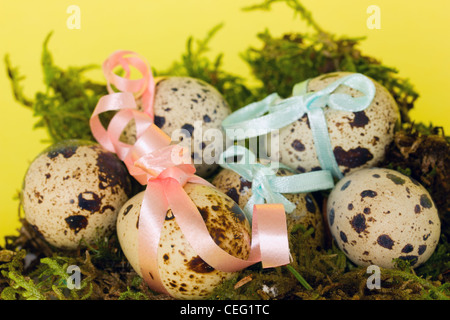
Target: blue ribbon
{"points": [[266, 186], [272, 113]]}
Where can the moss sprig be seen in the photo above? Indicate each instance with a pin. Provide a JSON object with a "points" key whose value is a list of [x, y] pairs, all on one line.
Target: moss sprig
{"points": [[63, 109], [196, 63]]}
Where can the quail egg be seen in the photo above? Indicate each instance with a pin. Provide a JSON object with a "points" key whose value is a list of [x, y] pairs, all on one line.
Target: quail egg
{"points": [[190, 111], [74, 190], [358, 139], [184, 274], [377, 215]]}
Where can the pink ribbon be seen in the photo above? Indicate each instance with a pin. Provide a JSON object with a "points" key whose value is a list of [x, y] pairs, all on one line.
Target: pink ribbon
{"points": [[165, 169], [143, 88]]}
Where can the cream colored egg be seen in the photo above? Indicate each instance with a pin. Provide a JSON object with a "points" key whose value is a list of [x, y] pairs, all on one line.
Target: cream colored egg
{"points": [[377, 215], [74, 190], [184, 274], [191, 112], [358, 139], [307, 213]]}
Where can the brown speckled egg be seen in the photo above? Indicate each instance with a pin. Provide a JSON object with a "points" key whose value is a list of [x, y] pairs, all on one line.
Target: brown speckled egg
{"points": [[186, 109], [307, 213], [377, 215], [74, 190], [184, 274], [358, 139]]}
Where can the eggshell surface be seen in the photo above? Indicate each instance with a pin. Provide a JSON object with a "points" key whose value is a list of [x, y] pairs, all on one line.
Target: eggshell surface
{"points": [[377, 215], [184, 274], [74, 190]]}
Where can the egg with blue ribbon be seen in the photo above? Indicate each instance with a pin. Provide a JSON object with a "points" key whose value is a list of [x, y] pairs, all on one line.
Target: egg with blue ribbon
{"points": [[251, 180], [339, 121]]}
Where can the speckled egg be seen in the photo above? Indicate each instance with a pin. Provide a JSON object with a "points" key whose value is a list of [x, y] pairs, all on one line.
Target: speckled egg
{"points": [[191, 112], [74, 190], [377, 215], [307, 213], [358, 139], [183, 273]]}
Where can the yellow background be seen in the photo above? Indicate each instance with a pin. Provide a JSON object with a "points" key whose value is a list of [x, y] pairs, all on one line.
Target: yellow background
{"points": [[413, 38]]}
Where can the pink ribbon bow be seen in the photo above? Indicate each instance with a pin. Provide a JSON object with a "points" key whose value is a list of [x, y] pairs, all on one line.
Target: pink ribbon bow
{"points": [[165, 169]]}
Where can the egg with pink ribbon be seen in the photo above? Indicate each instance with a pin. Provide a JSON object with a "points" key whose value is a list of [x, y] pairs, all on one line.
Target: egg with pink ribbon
{"points": [[189, 110], [183, 273]]}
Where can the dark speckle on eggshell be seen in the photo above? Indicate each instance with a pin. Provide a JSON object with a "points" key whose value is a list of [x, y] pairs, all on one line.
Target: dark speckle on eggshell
{"points": [[169, 215], [301, 169], [189, 128], [112, 172], [65, 150], [417, 209], [331, 216], [343, 237], [385, 241], [159, 121], [358, 223], [237, 213], [127, 209], [233, 194], [425, 201], [422, 249], [368, 193], [89, 201], [204, 213], [360, 120], [198, 265], [408, 248], [310, 206], [352, 158], [396, 179], [77, 222], [345, 185], [298, 145], [244, 184]]}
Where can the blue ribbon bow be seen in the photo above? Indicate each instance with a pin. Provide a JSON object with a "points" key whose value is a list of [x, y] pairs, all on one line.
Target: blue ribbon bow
{"points": [[272, 113], [266, 186]]}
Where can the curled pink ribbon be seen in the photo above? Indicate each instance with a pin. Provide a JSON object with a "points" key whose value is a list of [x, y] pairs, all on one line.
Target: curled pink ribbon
{"points": [[165, 169], [143, 88]]}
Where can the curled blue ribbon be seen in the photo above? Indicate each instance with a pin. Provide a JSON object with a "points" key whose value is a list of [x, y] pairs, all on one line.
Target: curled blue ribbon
{"points": [[266, 186], [272, 113]]}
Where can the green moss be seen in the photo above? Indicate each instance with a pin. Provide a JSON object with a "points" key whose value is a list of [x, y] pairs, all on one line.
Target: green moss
{"points": [[67, 103]]}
